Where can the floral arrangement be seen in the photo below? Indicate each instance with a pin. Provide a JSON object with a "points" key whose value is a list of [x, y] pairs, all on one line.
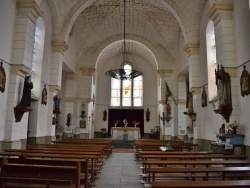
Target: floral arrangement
{"points": [[157, 128], [234, 125], [116, 122], [136, 123]]}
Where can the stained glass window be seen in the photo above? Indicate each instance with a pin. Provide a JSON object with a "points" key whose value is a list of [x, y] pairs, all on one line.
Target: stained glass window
{"points": [[127, 92]]}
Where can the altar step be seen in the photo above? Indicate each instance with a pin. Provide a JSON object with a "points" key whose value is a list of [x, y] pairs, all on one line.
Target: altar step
{"points": [[123, 144]]}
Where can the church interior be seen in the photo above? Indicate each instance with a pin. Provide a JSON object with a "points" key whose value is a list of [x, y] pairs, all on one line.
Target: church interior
{"points": [[128, 74]]}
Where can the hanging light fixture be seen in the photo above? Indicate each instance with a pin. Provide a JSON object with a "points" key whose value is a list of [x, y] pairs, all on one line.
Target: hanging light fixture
{"points": [[123, 74]]}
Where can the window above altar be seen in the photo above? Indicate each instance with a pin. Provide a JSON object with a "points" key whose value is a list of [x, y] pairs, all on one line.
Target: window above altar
{"points": [[127, 93]]}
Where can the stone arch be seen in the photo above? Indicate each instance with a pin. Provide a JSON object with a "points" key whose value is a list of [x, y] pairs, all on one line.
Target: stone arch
{"points": [[160, 54], [70, 21]]}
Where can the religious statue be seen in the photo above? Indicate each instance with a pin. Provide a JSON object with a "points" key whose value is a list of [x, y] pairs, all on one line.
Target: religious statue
{"points": [[44, 95], [2, 78], [147, 115], [104, 115], [168, 108], [204, 98], [28, 85], [190, 103], [68, 119], [57, 101]]}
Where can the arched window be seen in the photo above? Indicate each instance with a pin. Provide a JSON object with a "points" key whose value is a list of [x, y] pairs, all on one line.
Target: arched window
{"points": [[37, 58], [127, 93], [211, 61]]}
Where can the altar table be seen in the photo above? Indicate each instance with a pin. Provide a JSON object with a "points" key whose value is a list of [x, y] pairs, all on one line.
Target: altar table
{"points": [[132, 132]]}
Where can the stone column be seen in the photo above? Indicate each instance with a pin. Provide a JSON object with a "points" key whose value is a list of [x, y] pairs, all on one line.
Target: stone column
{"points": [[15, 135], [87, 95], [222, 16], [57, 57], [182, 98], [194, 82]]}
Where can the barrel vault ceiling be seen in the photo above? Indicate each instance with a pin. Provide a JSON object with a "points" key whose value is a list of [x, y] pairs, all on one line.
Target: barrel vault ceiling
{"points": [[151, 25]]}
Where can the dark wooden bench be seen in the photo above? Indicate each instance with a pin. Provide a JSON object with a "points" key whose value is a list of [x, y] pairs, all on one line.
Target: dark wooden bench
{"points": [[204, 184], [93, 159], [105, 142], [67, 147], [207, 163], [192, 157], [43, 172], [220, 171], [15, 182]]}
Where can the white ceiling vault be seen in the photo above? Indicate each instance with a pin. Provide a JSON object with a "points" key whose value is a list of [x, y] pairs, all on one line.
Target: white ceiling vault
{"points": [[151, 26]]}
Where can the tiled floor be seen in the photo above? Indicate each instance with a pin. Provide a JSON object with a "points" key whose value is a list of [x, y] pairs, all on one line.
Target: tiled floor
{"points": [[120, 170]]}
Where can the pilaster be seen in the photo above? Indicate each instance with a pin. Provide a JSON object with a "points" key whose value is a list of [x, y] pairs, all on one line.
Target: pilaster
{"points": [[57, 57], [86, 82], [222, 15], [194, 64]]}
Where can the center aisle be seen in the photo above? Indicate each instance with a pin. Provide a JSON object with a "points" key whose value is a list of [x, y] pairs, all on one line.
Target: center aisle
{"points": [[120, 170]]}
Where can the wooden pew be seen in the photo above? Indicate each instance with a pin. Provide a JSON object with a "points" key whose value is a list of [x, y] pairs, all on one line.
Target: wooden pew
{"points": [[147, 164], [15, 182], [92, 158], [67, 147], [192, 157], [105, 142], [221, 171], [204, 184], [149, 145], [42, 172], [85, 177]]}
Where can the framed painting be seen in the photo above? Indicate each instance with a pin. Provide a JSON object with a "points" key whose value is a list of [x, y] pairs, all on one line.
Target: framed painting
{"points": [[2, 78], [82, 124], [245, 82]]}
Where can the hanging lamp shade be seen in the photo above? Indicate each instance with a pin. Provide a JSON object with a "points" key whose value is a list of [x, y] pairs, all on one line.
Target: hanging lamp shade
{"points": [[121, 73]]}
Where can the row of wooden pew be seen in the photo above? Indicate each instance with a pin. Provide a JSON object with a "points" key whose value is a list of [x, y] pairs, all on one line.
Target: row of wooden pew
{"points": [[179, 169], [61, 164]]}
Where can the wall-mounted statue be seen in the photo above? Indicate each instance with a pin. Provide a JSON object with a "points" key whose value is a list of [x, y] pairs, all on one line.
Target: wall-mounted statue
{"points": [[245, 82], [44, 96], [104, 115], [223, 82], [28, 85], [2, 78], [204, 98], [57, 102], [24, 105], [147, 115]]}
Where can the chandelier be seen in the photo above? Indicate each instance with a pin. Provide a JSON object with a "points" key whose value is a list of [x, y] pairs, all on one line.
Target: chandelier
{"points": [[123, 74]]}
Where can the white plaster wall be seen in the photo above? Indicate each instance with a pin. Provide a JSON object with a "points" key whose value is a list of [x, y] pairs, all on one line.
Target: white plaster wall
{"points": [[210, 121], [242, 30], [7, 22]]}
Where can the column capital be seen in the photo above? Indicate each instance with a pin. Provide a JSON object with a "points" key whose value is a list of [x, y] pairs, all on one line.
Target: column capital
{"points": [[165, 73], [28, 9], [192, 49], [218, 8], [54, 88], [86, 100], [181, 79], [195, 90], [20, 70], [59, 46], [87, 71]]}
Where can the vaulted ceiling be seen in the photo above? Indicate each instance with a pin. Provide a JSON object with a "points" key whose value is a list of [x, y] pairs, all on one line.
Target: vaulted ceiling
{"points": [[154, 25]]}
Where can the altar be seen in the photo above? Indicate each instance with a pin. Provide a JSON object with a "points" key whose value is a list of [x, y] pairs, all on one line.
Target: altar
{"points": [[132, 133]]}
